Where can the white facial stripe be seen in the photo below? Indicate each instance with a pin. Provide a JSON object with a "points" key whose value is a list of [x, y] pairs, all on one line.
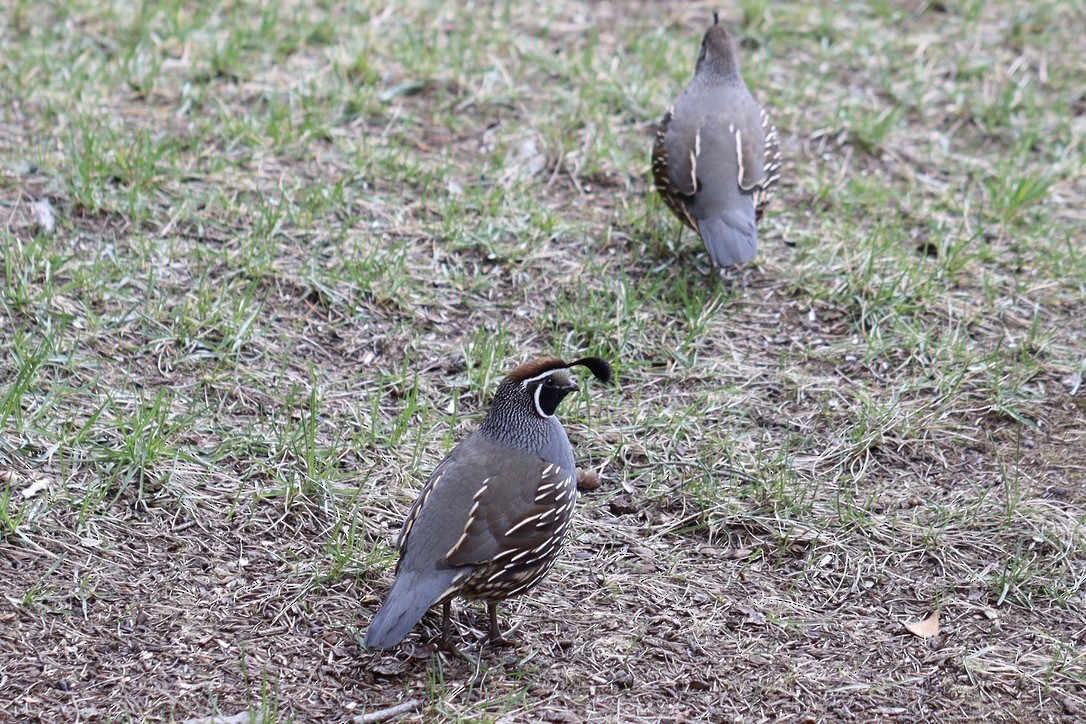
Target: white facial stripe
{"points": [[538, 407], [540, 376]]}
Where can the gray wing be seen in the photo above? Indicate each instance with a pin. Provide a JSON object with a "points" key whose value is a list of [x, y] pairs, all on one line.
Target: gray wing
{"points": [[682, 148], [717, 144], [485, 499], [666, 167], [728, 168], [518, 519]]}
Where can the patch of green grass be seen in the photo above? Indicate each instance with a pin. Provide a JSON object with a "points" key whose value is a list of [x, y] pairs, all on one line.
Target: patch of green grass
{"points": [[12, 511]]}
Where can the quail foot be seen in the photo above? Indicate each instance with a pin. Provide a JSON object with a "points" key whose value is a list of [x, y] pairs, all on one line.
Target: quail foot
{"points": [[490, 521], [716, 156]]}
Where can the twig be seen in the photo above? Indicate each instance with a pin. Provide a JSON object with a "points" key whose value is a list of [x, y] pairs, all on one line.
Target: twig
{"points": [[240, 718], [383, 714]]}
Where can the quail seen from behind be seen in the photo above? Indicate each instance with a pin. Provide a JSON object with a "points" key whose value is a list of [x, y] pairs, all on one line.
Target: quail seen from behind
{"points": [[490, 521], [716, 156]]}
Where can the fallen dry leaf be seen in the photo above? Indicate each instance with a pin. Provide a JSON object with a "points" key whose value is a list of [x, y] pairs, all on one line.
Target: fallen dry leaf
{"points": [[44, 217], [35, 487], [924, 629], [587, 479]]}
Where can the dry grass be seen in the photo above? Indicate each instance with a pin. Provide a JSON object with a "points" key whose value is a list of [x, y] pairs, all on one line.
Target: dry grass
{"points": [[297, 244]]}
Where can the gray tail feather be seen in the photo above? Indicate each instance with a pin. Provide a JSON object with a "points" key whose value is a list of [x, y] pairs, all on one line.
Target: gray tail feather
{"points": [[411, 597], [730, 239]]}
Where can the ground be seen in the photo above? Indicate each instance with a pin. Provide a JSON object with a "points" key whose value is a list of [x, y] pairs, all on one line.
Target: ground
{"points": [[265, 262]]}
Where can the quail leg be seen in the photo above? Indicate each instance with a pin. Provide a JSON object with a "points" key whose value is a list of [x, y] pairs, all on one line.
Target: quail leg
{"points": [[445, 642], [496, 638], [734, 276]]}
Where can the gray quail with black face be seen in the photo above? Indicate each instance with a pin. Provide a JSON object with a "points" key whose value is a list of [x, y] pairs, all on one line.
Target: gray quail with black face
{"points": [[716, 157], [490, 521]]}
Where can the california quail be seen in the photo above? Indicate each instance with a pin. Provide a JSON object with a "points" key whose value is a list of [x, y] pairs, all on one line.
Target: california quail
{"points": [[490, 521], [717, 156]]}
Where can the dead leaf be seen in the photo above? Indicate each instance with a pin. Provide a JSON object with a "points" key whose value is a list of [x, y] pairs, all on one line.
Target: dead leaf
{"points": [[44, 218], [388, 667], [35, 487], [1073, 382], [753, 615], [587, 479], [925, 629]]}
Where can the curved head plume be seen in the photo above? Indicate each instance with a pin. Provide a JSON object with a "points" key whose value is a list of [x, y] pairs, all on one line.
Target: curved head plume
{"points": [[534, 368], [541, 384], [598, 367]]}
